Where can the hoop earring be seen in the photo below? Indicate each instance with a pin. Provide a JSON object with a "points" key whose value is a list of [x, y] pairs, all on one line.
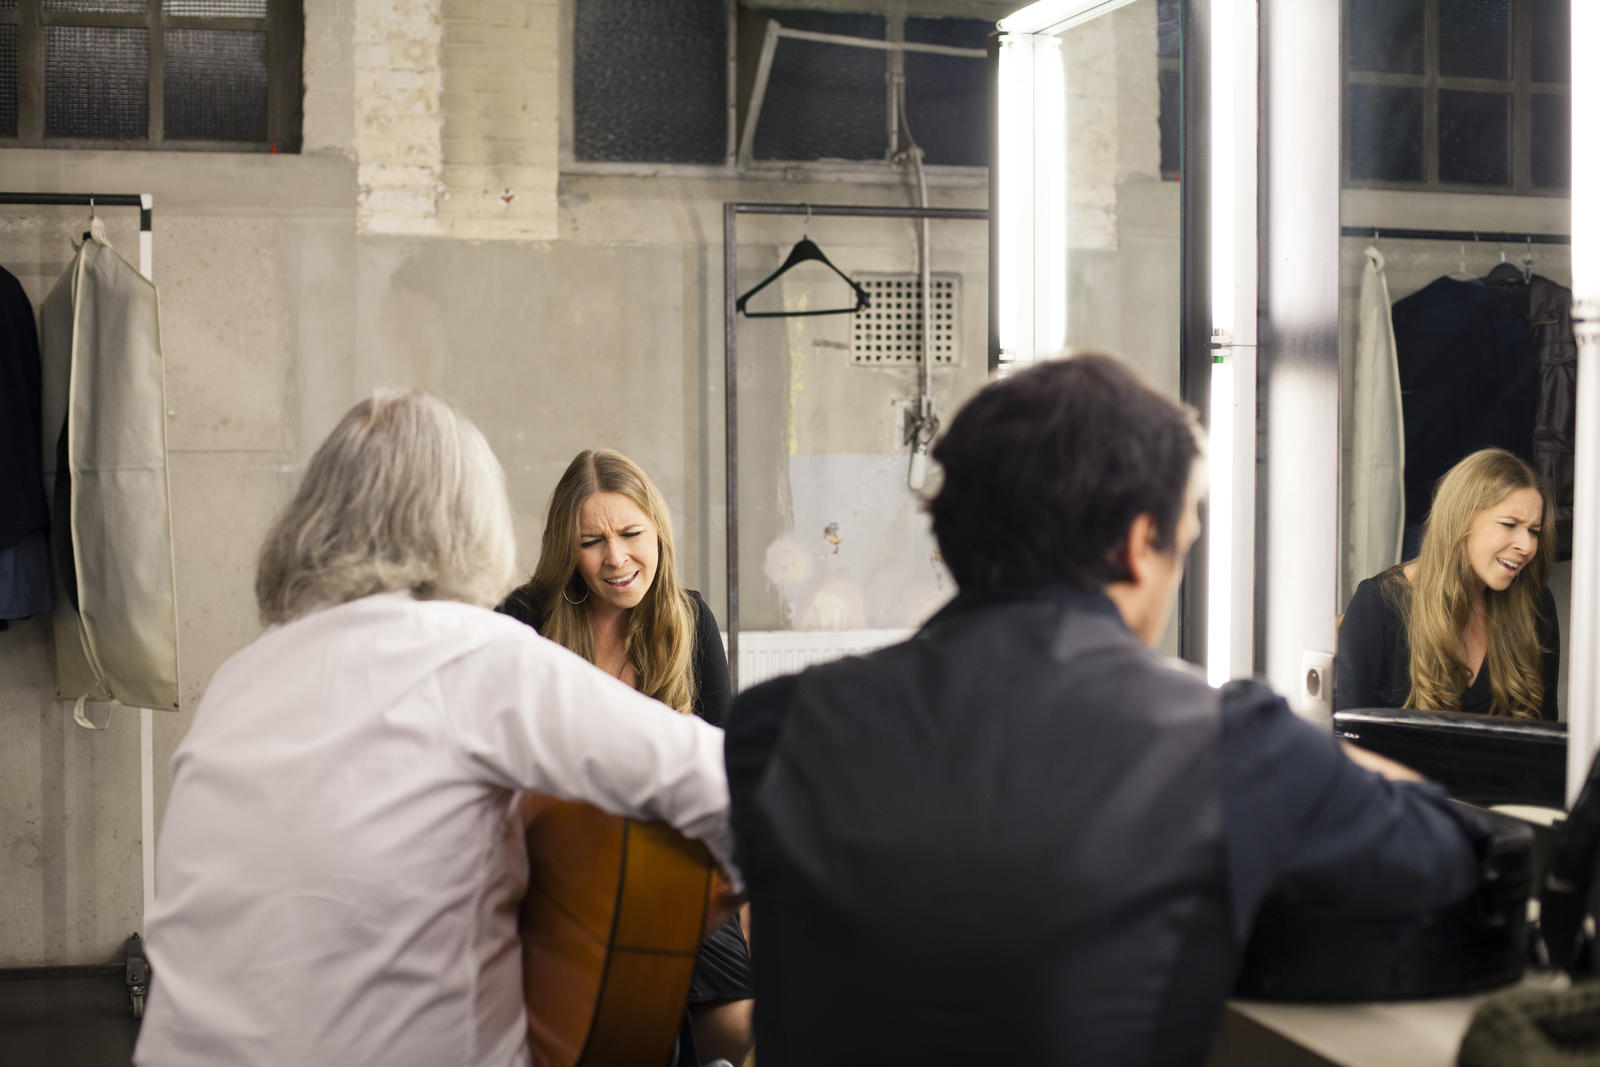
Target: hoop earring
{"points": [[580, 600]]}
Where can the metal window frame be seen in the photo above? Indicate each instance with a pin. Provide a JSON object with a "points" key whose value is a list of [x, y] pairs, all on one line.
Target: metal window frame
{"points": [[857, 171], [1518, 86], [284, 29]]}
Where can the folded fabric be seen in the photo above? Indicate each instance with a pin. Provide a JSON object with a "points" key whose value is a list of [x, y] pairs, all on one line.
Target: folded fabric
{"points": [[1535, 1028]]}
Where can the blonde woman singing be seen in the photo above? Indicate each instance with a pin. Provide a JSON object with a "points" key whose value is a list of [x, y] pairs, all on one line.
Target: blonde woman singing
{"points": [[1469, 625], [606, 586]]}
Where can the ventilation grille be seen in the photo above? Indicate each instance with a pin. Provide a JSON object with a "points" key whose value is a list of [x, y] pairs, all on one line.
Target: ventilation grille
{"points": [[889, 330]]}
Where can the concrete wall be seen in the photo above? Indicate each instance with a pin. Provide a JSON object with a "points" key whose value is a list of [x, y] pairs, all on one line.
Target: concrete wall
{"points": [[428, 236]]}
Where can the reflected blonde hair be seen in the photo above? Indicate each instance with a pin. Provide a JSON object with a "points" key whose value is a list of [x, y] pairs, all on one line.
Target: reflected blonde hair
{"points": [[1441, 601], [660, 634], [405, 494]]}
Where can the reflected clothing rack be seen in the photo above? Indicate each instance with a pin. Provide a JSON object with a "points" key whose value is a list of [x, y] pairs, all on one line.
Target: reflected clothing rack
{"points": [[1494, 237], [731, 211], [145, 202]]}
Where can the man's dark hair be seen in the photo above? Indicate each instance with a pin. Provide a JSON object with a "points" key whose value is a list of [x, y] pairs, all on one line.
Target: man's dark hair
{"points": [[1045, 470]]}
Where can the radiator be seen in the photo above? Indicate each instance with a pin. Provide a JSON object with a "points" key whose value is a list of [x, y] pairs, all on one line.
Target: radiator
{"points": [[767, 654]]}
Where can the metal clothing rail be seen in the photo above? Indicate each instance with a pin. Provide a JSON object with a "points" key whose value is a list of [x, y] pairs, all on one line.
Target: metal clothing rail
{"points": [[730, 340], [1493, 237], [145, 202]]}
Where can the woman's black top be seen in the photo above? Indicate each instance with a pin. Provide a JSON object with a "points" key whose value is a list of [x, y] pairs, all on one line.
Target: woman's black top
{"points": [[1373, 666], [713, 694]]}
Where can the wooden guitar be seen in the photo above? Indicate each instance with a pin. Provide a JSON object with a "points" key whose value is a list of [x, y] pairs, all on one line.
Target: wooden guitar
{"points": [[614, 913]]}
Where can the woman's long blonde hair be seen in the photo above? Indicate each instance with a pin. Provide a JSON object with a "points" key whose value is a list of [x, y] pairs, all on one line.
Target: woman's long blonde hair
{"points": [[660, 637], [1441, 600]]}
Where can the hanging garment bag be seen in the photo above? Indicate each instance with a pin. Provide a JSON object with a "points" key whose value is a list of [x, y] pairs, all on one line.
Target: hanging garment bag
{"points": [[105, 453]]}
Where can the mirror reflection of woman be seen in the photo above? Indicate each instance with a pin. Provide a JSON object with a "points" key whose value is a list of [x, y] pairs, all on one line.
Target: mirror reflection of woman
{"points": [[606, 586], [1470, 624]]}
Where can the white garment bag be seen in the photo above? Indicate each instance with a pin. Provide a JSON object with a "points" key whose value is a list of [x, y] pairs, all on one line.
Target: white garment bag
{"points": [[104, 380], [1377, 454]]}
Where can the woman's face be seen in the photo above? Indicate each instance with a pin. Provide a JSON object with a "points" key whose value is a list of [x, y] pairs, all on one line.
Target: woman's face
{"points": [[617, 550], [1505, 537]]}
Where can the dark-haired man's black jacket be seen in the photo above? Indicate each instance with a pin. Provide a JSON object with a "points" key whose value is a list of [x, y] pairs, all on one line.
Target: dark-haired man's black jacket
{"points": [[1023, 837]]}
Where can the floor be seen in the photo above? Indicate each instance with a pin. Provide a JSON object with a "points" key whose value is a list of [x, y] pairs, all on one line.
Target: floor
{"points": [[76, 1019]]}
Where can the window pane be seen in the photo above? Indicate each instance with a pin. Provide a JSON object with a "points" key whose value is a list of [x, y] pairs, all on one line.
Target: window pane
{"points": [[825, 101], [1552, 140], [1167, 29], [1552, 41], [1169, 123], [216, 9], [216, 85], [122, 6], [1385, 35], [947, 97], [1385, 131], [8, 81], [1472, 138], [1474, 38], [96, 82], [649, 81]]}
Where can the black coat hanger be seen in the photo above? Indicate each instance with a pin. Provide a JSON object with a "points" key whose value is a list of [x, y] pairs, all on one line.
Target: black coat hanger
{"points": [[806, 250], [1505, 272]]}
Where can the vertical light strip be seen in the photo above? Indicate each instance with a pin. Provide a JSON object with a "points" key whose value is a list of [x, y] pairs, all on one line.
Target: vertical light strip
{"points": [[1032, 204], [1230, 533], [1583, 683], [1050, 197], [1015, 258]]}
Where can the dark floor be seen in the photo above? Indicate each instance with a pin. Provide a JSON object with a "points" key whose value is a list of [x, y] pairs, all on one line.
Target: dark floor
{"points": [[66, 1020]]}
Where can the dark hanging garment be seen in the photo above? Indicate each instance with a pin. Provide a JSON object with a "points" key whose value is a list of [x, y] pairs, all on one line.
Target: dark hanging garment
{"points": [[24, 517], [22, 505], [1469, 379], [1546, 309]]}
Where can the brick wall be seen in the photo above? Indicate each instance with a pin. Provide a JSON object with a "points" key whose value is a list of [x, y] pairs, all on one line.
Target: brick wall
{"points": [[449, 108]]}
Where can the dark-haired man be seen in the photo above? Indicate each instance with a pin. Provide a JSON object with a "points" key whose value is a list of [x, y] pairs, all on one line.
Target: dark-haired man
{"points": [[1023, 836]]}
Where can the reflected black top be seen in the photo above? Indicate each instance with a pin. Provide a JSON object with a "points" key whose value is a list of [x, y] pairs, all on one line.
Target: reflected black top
{"points": [[1373, 667]]}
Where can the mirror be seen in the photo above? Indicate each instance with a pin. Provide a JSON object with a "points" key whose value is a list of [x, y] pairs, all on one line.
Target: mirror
{"points": [[1086, 228], [1455, 266]]}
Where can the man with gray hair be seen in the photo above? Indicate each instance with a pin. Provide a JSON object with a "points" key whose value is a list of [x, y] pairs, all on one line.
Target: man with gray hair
{"points": [[339, 863]]}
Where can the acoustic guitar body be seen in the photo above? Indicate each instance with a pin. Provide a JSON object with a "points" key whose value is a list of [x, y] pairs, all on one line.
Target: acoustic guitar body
{"points": [[613, 916]]}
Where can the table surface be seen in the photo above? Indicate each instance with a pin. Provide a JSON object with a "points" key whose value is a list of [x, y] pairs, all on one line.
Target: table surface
{"points": [[1414, 1033]]}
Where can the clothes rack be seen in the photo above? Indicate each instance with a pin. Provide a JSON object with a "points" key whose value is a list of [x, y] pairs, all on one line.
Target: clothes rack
{"points": [[730, 290], [1499, 237], [145, 202]]}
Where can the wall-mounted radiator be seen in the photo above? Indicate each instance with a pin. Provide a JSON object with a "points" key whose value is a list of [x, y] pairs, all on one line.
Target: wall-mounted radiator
{"points": [[767, 654]]}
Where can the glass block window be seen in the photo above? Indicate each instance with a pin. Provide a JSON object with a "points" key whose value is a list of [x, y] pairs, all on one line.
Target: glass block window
{"points": [[96, 81], [824, 101], [947, 97], [219, 75], [1389, 146], [8, 81], [1467, 95], [672, 105], [216, 85], [1168, 45]]}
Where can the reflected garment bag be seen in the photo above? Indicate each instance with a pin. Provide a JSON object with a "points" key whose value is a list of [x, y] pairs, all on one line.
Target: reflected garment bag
{"points": [[1378, 448], [105, 454]]}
